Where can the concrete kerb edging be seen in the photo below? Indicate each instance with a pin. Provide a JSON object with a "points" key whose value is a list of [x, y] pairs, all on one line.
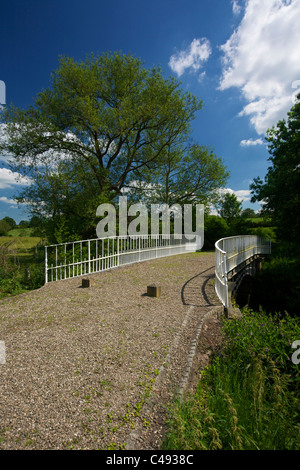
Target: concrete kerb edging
{"points": [[192, 351], [132, 440]]}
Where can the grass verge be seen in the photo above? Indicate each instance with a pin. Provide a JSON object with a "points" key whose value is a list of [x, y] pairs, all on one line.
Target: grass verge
{"points": [[248, 397]]}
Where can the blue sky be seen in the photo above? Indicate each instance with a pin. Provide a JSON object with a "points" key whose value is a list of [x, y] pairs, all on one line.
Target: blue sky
{"points": [[241, 57]]}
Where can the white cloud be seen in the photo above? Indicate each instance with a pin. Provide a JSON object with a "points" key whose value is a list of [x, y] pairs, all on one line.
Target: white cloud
{"points": [[6, 200], [193, 57], [262, 58], [251, 142], [241, 194], [9, 178], [236, 7]]}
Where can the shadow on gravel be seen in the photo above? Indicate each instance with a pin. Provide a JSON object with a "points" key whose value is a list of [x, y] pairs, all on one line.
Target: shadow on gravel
{"points": [[196, 290]]}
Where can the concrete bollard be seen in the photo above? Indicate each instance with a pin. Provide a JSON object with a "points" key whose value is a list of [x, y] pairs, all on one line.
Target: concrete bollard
{"points": [[87, 282], [153, 290]]}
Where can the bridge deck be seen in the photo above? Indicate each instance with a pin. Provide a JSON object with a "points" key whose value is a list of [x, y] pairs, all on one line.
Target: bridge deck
{"points": [[80, 362]]}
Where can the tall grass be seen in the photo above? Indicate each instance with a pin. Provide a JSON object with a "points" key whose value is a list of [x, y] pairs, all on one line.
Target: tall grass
{"points": [[248, 397]]}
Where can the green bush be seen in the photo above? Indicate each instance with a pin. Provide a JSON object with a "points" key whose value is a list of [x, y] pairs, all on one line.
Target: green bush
{"points": [[34, 276], [266, 232], [10, 285], [16, 278], [215, 228]]}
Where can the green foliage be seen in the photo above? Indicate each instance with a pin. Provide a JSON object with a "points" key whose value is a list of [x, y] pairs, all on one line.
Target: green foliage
{"points": [[63, 232], [181, 175], [10, 276], [20, 278], [261, 334], [214, 228], [35, 221], [11, 222], [24, 224], [229, 207], [248, 397], [89, 135], [21, 265], [265, 232], [4, 227], [21, 232], [33, 276], [249, 213], [277, 285], [10, 285]]}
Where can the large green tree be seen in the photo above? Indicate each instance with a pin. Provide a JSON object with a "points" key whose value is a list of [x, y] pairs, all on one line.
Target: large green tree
{"points": [[103, 123], [185, 173], [229, 207], [280, 190], [85, 136]]}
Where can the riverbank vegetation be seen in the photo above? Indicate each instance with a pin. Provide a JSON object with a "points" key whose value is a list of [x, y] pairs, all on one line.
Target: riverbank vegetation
{"points": [[21, 259], [248, 396]]}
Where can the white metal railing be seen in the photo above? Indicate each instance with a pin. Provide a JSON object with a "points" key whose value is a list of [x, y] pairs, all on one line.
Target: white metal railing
{"points": [[78, 258], [230, 253]]}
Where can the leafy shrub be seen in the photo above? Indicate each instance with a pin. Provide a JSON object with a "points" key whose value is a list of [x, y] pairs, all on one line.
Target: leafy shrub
{"points": [[15, 277], [34, 276], [266, 232], [214, 228], [10, 285]]}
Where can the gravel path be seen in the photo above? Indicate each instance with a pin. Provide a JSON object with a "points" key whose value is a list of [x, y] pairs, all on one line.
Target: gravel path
{"points": [[93, 368]]}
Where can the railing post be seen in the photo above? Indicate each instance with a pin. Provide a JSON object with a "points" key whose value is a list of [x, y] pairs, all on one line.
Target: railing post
{"points": [[65, 260], [118, 252], [46, 266], [89, 256], [226, 300], [139, 248]]}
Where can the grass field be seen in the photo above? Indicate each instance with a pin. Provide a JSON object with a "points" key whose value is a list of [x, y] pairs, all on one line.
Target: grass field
{"points": [[21, 232], [20, 241], [19, 246]]}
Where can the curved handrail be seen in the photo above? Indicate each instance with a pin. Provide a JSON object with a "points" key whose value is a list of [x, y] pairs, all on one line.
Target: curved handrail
{"points": [[230, 253]]}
